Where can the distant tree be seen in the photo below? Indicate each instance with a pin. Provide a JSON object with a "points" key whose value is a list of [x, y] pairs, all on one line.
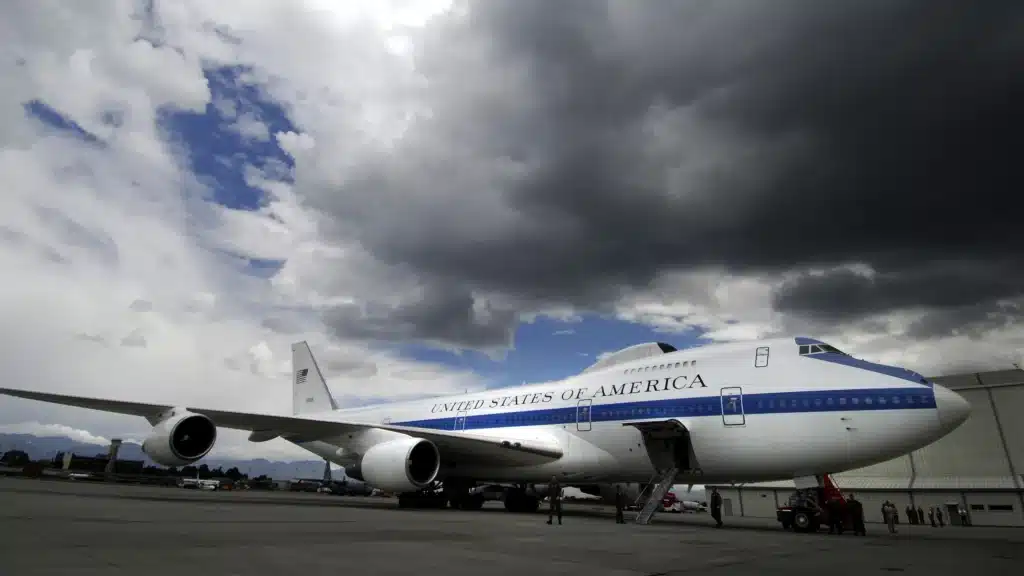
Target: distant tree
{"points": [[204, 471], [234, 473], [217, 472], [15, 458], [189, 471]]}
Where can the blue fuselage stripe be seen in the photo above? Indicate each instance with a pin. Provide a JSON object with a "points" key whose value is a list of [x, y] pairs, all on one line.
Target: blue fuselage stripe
{"points": [[809, 401]]}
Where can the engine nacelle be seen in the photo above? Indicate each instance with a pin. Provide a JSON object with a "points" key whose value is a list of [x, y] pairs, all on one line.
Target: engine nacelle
{"points": [[180, 439], [403, 465]]}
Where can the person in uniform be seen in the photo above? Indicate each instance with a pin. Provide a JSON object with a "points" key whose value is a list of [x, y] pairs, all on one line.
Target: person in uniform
{"points": [[856, 515], [890, 517], [716, 507], [835, 516], [555, 500], [620, 505]]}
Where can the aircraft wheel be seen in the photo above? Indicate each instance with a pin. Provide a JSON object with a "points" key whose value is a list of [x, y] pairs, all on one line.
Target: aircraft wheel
{"points": [[801, 521]]}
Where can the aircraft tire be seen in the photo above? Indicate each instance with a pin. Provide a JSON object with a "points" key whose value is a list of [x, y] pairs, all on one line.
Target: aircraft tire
{"points": [[802, 521]]}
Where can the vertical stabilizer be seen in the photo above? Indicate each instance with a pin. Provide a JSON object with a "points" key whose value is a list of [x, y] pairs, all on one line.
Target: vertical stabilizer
{"points": [[309, 390]]}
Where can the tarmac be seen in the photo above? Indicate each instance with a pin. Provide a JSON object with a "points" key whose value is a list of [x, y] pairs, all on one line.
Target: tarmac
{"points": [[67, 527]]}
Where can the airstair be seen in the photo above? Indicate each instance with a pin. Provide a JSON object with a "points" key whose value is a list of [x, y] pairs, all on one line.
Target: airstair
{"points": [[657, 495]]}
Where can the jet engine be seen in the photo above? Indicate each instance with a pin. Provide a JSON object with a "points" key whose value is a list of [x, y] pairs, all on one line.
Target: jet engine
{"points": [[180, 439], [403, 465]]}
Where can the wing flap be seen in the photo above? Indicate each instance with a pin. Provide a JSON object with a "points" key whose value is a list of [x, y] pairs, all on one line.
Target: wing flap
{"points": [[453, 445]]}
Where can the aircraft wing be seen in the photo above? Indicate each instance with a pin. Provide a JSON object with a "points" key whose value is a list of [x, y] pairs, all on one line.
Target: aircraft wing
{"points": [[457, 446]]}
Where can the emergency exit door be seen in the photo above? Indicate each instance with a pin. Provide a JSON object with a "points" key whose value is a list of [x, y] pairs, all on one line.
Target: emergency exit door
{"points": [[732, 406]]}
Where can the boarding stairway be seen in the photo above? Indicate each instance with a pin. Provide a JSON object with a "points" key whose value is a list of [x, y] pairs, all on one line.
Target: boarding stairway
{"points": [[653, 503]]}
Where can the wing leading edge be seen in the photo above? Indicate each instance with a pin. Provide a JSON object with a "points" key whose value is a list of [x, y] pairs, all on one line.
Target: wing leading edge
{"points": [[453, 445]]}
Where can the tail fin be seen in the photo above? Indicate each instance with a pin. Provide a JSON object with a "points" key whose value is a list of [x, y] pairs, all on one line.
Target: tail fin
{"points": [[309, 390]]}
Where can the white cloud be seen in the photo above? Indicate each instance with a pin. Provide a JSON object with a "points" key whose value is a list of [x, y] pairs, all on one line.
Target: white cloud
{"points": [[49, 430], [733, 308], [86, 230]]}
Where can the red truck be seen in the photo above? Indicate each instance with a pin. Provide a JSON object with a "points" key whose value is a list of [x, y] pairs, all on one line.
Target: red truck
{"points": [[806, 510]]}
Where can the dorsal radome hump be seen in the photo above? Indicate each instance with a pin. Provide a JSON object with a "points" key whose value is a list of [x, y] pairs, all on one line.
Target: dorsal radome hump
{"points": [[635, 352]]}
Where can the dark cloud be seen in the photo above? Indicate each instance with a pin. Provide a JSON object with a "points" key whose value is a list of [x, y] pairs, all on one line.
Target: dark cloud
{"points": [[579, 147], [134, 340], [939, 285], [443, 314], [140, 305]]}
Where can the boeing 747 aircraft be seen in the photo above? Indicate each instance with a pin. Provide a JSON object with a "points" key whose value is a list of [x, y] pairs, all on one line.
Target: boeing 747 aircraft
{"points": [[647, 415]]}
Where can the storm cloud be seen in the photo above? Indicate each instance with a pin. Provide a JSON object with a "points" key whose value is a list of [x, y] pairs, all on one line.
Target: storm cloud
{"points": [[578, 150]]}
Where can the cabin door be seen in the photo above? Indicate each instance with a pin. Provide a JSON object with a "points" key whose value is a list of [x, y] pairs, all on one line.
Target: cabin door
{"points": [[460, 420], [583, 410], [732, 406]]}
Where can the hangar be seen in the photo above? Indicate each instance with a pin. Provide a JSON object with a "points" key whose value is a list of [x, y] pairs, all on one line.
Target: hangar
{"points": [[978, 467]]}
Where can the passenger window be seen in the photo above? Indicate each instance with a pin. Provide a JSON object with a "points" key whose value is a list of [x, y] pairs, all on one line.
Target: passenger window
{"points": [[693, 363], [829, 402], [842, 401], [881, 400], [895, 399], [855, 401], [817, 401], [868, 400]]}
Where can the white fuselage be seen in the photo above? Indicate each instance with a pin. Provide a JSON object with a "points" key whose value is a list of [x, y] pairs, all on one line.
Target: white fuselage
{"points": [[754, 411]]}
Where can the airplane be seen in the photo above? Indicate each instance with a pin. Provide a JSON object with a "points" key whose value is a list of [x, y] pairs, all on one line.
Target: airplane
{"points": [[648, 415]]}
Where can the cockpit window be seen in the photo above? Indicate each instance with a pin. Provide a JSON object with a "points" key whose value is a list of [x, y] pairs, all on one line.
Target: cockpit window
{"points": [[820, 349], [832, 349]]}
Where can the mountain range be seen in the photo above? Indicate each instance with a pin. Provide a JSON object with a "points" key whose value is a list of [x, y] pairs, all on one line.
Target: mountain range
{"points": [[46, 447]]}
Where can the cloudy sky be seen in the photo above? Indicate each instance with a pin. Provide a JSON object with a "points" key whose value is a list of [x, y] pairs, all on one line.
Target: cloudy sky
{"points": [[442, 197]]}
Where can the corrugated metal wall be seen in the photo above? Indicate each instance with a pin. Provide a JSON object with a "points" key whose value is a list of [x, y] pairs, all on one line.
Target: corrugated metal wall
{"points": [[979, 465], [974, 456]]}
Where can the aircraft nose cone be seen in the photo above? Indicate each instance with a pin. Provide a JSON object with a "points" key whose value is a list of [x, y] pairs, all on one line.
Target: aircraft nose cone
{"points": [[953, 408]]}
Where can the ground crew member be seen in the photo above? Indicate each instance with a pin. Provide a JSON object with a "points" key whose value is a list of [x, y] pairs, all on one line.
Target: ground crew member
{"points": [[620, 505], [716, 507], [856, 515], [835, 516], [555, 499]]}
